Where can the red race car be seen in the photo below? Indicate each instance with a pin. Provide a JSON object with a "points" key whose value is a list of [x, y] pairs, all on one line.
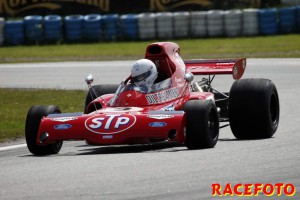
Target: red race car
{"points": [[171, 108]]}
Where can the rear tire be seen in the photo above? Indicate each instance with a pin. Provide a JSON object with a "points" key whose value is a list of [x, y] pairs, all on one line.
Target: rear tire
{"points": [[253, 109], [202, 124], [33, 119], [100, 90]]}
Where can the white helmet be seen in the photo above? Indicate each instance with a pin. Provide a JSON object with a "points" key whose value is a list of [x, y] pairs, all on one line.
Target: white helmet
{"points": [[143, 72]]}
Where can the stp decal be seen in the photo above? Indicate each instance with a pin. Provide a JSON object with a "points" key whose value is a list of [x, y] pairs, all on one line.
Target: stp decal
{"points": [[110, 123]]}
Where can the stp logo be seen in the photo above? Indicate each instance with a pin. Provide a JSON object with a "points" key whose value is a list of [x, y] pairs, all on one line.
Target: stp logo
{"points": [[110, 124]]}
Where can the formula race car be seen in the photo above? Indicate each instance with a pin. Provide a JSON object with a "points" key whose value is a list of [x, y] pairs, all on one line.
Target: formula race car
{"points": [[176, 109]]}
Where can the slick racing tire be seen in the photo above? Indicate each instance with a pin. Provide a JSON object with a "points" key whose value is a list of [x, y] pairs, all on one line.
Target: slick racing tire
{"points": [[33, 119], [253, 109], [202, 124], [96, 91]]}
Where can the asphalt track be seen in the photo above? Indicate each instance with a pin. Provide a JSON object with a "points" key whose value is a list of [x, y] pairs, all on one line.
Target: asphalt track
{"points": [[160, 171]]}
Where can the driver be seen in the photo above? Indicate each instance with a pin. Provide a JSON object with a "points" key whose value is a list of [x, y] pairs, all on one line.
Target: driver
{"points": [[144, 73]]}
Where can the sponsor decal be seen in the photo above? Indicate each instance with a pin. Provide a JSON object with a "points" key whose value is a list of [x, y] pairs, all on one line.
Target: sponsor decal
{"points": [[257, 189], [163, 5], [107, 137], [110, 123], [122, 109], [158, 124], [14, 7], [179, 82], [169, 108], [64, 119], [62, 126], [235, 71], [160, 116], [179, 61], [244, 64], [163, 96]]}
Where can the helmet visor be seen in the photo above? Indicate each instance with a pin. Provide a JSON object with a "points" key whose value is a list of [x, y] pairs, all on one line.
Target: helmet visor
{"points": [[141, 77]]}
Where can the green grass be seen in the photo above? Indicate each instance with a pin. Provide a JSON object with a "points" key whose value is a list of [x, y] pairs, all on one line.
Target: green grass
{"points": [[16, 102], [268, 46]]}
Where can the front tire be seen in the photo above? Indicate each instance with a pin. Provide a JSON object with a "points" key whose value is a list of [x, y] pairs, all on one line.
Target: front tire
{"points": [[202, 124], [33, 119], [253, 109], [99, 90]]}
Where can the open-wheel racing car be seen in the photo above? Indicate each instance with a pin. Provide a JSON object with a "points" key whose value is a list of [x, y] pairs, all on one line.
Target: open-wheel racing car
{"points": [[176, 109]]}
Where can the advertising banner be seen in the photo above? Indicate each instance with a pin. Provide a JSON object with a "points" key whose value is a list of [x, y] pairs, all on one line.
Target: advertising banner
{"points": [[20, 8]]}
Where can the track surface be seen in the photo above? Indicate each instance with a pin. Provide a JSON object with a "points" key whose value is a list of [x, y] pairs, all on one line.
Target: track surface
{"points": [[160, 171]]}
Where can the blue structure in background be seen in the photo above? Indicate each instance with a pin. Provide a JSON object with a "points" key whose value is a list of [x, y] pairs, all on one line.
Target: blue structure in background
{"points": [[111, 26], [33, 28], [129, 26], [92, 27], [287, 20], [298, 18], [14, 32], [73, 28], [52, 28], [268, 21]]}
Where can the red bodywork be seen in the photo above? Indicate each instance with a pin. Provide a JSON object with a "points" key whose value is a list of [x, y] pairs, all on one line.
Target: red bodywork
{"points": [[138, 117]]}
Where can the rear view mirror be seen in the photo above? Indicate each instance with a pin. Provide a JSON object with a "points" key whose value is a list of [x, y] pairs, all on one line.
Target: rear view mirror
{"points": [[189, 77]]}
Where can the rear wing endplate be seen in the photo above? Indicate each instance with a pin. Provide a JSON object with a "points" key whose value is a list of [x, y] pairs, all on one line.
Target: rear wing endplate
{"points": [[236, 67]]}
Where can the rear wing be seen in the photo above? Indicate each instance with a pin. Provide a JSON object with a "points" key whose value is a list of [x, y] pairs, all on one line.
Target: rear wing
{"points": [[236, 67]]}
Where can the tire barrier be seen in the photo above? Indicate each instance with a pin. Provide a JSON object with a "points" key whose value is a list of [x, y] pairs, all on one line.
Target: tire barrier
{"points": [[33, 29], [129, 26], [268, 24], [111, 26], [233, 23], [198, 24], [164, 23], [287, 20], [181, 24], [150, 26], [147, 26], [290, 2], [73, 28], [250, 22], [215, 23], [92, 27], [14, 32], [52, 28], [298, 19], [1, 30]]}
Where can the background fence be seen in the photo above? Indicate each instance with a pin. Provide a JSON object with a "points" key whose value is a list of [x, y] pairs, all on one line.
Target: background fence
{"points": [[148, 26]]}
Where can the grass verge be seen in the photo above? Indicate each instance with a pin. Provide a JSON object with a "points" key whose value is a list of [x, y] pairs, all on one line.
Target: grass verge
{"points": [[285, 46], [16, 102]]}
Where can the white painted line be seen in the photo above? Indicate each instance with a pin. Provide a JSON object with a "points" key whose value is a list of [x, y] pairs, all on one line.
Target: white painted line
{"points": [[12, 147]]}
